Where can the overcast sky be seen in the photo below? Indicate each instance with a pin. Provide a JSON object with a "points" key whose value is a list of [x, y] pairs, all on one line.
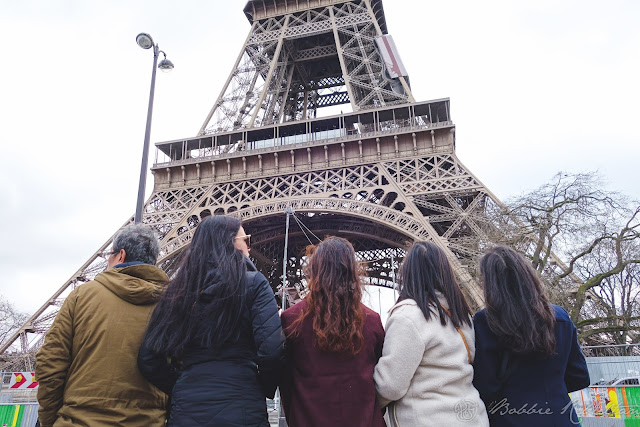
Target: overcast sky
{"points": [[536, 87]]}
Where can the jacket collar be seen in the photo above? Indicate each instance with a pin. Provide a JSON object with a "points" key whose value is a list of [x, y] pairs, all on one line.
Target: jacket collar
{"points": [[128, 264]]}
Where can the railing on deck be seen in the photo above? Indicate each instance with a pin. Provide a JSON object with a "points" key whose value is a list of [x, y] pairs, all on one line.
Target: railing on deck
{"points": [[294, 142]]}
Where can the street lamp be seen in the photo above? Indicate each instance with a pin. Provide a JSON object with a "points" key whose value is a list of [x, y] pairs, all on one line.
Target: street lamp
{"points": [[145, 41]]}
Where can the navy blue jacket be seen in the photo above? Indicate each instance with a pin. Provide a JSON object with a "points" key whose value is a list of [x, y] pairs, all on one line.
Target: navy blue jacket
{"points": [[226, 387], [536, 392]]}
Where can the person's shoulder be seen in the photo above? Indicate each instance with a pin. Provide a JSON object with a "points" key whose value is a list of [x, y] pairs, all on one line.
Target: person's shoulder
{"points": [[296, 308], [373, 323], [480, 316], [255, 279], [252, 275], [293, 312], [257, 287], [481, 324], [404, 304], [560, 313], [407, 307], [371, 317], [87, 293], [409, 311], [89, 287], [369, 312]]}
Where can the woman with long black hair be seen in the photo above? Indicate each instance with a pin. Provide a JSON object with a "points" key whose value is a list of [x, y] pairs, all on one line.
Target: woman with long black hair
{"points": [[425, 372], [528, 358], [219, 319], [333, 344]]}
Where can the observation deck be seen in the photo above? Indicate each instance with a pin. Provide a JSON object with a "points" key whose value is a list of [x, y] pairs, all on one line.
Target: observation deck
{"points": [[344, 139]]}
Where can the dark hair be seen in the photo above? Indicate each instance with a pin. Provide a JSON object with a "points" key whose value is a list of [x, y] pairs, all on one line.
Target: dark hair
{"points": [[203, 303], [140, 243], [426, 270], [518, 309], [335, 294]]}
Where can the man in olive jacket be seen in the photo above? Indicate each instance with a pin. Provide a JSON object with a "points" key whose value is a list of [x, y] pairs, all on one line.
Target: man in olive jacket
{"points": [[87, 365]]}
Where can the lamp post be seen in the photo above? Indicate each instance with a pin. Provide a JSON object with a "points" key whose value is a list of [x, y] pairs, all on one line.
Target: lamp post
{"points": [[145, 41]]}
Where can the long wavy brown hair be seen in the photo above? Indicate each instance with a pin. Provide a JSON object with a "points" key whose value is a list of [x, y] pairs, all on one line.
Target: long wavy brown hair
{"points": [[335, 291]]}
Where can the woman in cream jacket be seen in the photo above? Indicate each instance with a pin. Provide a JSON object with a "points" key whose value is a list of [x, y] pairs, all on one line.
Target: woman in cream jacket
{"points": [[425, 373]]}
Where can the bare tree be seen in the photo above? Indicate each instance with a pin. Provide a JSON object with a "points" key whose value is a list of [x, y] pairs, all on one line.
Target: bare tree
{"points": [[10, 319], [610, 267], [585, 243]]}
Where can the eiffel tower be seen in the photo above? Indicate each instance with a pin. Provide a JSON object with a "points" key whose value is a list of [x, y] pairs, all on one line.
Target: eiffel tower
{"points": [[382, 175]]}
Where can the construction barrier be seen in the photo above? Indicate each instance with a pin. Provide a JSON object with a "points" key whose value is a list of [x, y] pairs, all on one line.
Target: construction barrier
{"points": [[22, 380], [25, 415], [610, 406], [596, 406]]}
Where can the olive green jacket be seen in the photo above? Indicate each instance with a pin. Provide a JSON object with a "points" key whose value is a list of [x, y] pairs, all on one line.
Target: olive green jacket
{"points": [[87, 365]]}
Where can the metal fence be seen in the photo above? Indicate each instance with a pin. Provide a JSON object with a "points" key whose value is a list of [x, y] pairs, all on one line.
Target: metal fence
{"points": [[618, 406], [17, 387], [608, 370], [603, 404], [24, 415], [614, 365], [612, 350], [612, 400]]}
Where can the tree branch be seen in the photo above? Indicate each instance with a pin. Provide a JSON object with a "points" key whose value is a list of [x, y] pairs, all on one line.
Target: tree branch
{"points": [[596, 320], [586, 334]]}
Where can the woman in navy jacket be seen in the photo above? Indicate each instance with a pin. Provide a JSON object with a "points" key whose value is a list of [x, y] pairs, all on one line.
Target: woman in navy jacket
{"points": [[219, 318], [527, 354]]}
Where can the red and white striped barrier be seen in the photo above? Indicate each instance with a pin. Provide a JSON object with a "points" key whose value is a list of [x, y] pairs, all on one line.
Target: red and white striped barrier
{"points": [[23, 380]]}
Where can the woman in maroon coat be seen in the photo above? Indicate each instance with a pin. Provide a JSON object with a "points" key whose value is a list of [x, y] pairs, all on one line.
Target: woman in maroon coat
{"points": [[333, 345]]}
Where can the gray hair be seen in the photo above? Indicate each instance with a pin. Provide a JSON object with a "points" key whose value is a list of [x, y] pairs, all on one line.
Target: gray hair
{"points": [[140, 243]]}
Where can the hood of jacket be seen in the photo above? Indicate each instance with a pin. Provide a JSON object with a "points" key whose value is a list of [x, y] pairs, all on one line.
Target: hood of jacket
{"points": [[137, 284]]}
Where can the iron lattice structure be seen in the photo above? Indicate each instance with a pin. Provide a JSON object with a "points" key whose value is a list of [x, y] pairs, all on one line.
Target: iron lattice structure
{"points": [[303, 55], [383, 175]]}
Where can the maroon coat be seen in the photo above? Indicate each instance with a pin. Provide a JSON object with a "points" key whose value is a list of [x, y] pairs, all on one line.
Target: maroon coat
{"points": [[325, 389]]}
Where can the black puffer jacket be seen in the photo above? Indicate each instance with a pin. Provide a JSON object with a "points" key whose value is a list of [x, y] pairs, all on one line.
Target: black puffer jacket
{"points": [[227, 387]]}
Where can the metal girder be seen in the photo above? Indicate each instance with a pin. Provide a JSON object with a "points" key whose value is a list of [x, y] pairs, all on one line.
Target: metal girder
{"points": [[314, 53], [331, 42], [330, 99]]}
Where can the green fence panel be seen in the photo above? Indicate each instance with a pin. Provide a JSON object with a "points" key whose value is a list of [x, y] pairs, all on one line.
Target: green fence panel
{"points": [[18, 419], [5, 412], [633, 400], [632, 422], [11, 415]]}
